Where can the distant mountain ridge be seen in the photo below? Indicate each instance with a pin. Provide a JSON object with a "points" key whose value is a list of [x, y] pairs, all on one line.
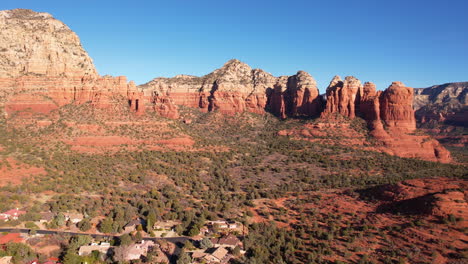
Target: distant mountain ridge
{"points": [[446, 103]]}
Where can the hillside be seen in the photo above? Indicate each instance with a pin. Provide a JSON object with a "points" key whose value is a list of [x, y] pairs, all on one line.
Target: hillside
{"points": [[350, 176]]}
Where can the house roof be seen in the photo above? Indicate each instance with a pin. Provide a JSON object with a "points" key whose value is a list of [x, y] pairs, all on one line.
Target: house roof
{"points": [[135, 222], [230, 240], [73, 215], [48, 216], [219, 253], [13, 212], [138, 249], [11, 237], [198, 254]]}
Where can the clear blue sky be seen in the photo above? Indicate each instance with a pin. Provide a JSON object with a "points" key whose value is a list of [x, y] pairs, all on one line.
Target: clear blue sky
{"points": [[418, 42]]}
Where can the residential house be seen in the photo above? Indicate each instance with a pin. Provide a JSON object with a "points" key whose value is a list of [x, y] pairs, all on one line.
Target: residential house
{"points": [[47, 262], [102, 247], [216, 255], [132, 225], [166, 225], [46, 217], [6, 260], [233, 225], [197, 255], [230, 241], [219, 224], [139, 249], [73, 217], [225, 225], [12, 214]]}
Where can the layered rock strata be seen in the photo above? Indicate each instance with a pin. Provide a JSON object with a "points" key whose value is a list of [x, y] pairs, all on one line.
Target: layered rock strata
{"points": [[43, 66], [236, 88], [442, 104]]}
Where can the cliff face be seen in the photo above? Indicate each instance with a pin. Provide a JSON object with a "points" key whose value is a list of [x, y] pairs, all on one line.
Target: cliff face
{"points": [[442, 104], [396, 107], [36, 44], [343, 96], [44, 94], [43, 66], [235, 88]]}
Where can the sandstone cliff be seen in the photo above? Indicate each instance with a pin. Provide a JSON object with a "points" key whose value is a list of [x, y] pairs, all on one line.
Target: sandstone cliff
{"points": [[235, 88], [37, 44], [343, 97], [43, 66]]}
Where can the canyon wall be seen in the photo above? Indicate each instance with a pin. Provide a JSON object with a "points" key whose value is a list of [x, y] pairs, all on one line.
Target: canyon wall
{"points": [[235, 88], [43, 66]]}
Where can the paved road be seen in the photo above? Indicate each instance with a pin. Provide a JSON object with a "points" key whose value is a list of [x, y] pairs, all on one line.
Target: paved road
{"points": [[52, 232]]}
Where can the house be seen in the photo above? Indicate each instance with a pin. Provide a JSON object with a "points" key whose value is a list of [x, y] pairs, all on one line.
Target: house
{"points": [[46, 217], [6, 260], [102, 247], [52, 260], [198, 255], [166, 225], [132, 225], [73, 217], [12, 214], [219, 224], [47, 262], [139, 249], [230, 241], [232, 225], [11, 238], [223, 224], [216, 255]]}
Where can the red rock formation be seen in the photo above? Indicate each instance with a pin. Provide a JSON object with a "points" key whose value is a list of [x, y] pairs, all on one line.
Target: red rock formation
{"points": [[43, 94], [303, 95], [164, 106], [235, 88], [396, 107], [369, 106], [342, 97], [440, 197], [43, 67]]}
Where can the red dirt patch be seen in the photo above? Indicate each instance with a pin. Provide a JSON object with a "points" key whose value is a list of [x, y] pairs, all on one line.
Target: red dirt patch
{"points": [[10, 238], [101, 141], [184, 141], [373, 231], [14, 172]]}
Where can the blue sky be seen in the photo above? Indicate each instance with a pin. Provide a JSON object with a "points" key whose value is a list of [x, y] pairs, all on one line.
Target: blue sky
{"points": [[420, 43]]}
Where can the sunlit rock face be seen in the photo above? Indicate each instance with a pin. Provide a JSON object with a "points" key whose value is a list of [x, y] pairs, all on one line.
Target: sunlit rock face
{"points": [[343, 96], [43, 66], [36, 44], [236, 87], [442, 104]]}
